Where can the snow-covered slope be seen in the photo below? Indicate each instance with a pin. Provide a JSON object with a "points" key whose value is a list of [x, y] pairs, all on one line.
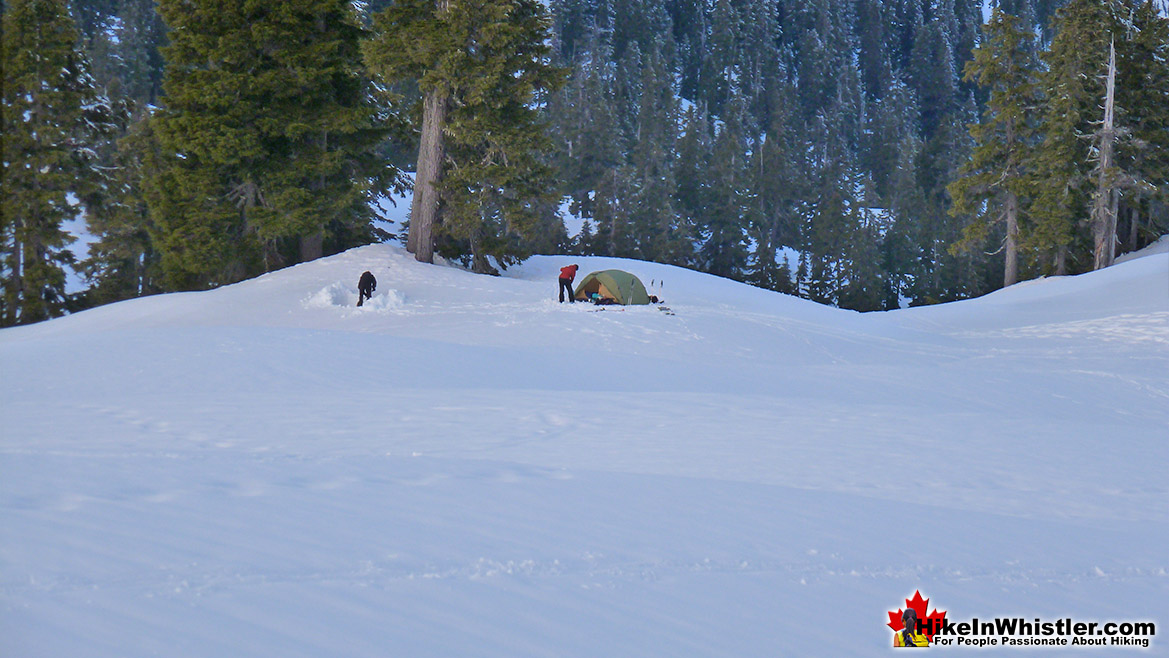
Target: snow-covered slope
{"points": [[464, 467]]}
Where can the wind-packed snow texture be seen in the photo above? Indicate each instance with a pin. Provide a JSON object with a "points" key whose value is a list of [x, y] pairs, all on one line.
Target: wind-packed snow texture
{"points": [[464, 467]]}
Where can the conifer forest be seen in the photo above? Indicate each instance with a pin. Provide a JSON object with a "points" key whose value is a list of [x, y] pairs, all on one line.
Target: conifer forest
{"points": [[868, 154]]}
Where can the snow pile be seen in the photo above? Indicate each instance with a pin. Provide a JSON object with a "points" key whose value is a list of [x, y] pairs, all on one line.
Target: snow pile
{"points": [[336, 294], [465, 467], [343, 295]]}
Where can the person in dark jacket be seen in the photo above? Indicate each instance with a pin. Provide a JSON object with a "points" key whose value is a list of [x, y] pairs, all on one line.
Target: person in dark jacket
{"points": [[567, 274], [365, 287]]}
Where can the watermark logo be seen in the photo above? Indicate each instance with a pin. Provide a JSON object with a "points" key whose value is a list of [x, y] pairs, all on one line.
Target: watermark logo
{"points": [[915, 625]]}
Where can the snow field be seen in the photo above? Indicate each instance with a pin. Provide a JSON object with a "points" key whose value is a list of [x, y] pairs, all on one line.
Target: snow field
{"points": [[464, 467]]}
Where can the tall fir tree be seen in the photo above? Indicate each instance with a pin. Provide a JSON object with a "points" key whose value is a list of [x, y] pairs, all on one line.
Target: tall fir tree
{"points": [[693, 193], [760, 63], [482, 67], [661, 237], [123, 262], [1072, 89], [719, 57], [724, 229], [932, 72], [995, 184], [270, 135], [123, 40], [891, 119], [776, 179], [944, 276], [826, 235], [874, 47], [583, 123], [53, 118], [1142, 101], [901, 249], [142, 35]]}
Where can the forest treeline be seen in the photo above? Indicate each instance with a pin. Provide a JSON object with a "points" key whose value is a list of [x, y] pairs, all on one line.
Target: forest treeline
{"points": [[868, 154]]}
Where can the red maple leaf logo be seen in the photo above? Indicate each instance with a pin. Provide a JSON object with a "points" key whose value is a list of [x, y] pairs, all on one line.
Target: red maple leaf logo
{"points": [[930, 624]]}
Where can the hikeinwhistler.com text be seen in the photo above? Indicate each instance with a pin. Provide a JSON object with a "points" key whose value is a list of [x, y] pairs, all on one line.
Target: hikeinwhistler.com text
{"points": [[1019, 632]]}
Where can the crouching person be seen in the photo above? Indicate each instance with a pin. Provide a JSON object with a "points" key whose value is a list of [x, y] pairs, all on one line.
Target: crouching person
{"points": [[365, 287]]}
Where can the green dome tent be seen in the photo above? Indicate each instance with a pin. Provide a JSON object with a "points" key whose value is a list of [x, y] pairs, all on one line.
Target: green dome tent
{"points": [[621, 287]]}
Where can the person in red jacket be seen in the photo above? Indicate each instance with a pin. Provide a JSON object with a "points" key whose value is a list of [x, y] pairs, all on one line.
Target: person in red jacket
{"points": [[567, 274]]}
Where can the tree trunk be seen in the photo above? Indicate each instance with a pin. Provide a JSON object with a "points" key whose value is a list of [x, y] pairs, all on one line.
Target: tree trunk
{"points": [[1134, 228], [1107, 196], [612, 214], [16, 299], [479, 262], [31, 305], [1011, 270], [312, 246], [424, 207], [1011, 262]]}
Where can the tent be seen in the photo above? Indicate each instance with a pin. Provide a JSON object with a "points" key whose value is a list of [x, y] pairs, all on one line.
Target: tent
{"points": [[621, 287]]}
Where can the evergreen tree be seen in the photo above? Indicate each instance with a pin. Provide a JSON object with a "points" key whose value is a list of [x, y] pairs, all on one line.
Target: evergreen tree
{"points": [[141, 37], [719, 58], [1142, 99], [1069, 159], [724, 231], [693, 193], [864, 287], [777, 180], [643, 23], [759, 60], [824, 49], [690, 24], [123, 262], [53, 115], [893, 118], [1024, 10], [902, 253], [591, 163], [655, 219], [841, 237], [415, 43], [825, 239], [481, 65], [874, 45], [583, 123], [92, 16], [270, 135], [123, 40], [571, 26], [905, 20], [933, 74], [626, 97], [968, 20], [1072, 88], [942, 275], [994, 185]]}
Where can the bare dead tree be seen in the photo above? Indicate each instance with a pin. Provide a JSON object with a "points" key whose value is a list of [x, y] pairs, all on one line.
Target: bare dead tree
{"points": [[1107, 195]]}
